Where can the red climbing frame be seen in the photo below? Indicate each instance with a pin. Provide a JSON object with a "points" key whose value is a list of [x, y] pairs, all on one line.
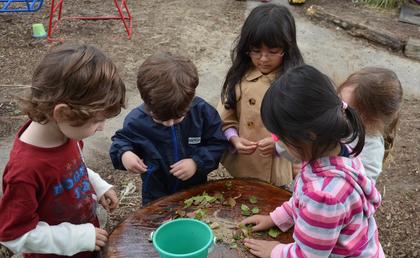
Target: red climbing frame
{"points": [[121, 5]]}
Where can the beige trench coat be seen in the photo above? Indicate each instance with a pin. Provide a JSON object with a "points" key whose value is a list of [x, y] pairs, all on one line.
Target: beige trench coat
{"points": [[247, 120]]}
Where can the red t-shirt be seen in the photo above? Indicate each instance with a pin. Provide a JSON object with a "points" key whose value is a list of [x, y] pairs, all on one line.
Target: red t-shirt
{"points": [[45, 184]]}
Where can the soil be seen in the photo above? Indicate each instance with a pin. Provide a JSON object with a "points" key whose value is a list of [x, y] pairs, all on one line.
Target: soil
{"points": [[198, 30]]}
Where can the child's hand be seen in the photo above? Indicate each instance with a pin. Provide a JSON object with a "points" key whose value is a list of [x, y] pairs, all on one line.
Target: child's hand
{"points": [[109, 200], [101, 238], [133, 163], [184, 169], [260, 248], [262, 222], [243, 146], [266, 146]]}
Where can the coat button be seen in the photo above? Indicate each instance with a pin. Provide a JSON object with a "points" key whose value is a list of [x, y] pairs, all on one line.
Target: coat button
{"points": [[252, 101], [250, 123]]}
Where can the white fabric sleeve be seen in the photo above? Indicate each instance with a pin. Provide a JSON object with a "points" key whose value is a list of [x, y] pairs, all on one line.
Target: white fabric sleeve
{"points": [[63, 239], [99, 185], [372, 155]]}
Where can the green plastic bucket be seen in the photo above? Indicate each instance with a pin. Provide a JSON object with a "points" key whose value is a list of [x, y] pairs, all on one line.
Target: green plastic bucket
{"points": [[187, 238]]}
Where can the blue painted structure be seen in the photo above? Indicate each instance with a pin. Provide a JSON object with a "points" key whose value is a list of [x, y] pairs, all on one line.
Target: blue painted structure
{"points": [[20, 5]]}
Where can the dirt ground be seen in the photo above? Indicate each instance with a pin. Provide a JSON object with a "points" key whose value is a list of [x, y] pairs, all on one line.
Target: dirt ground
{"points": [[198, 30], [382, 20]]}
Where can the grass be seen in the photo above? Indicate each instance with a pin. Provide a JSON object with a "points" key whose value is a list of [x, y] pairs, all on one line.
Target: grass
{"points": [[383, 3]]}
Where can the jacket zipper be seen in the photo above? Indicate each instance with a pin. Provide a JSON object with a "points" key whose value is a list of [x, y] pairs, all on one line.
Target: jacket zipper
{"points": [[149, 173], [175, 152]]}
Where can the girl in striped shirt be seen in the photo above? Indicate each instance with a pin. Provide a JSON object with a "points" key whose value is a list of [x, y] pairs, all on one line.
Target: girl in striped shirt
{"points": [[333, 202]]}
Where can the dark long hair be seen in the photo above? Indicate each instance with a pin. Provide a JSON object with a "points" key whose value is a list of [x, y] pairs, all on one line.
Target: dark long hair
{"points": [[303, 107], [272, 25]]}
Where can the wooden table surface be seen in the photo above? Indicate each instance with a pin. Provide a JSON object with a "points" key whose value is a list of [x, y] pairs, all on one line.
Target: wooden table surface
{"points": [[131, 238]]}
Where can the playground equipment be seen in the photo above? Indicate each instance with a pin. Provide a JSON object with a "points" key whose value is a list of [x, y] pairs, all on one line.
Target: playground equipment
{"points": [[20, 5], [56, 10]]}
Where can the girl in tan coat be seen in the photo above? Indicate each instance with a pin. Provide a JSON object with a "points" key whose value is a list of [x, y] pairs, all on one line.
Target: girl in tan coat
{"points": [[266, 48]]}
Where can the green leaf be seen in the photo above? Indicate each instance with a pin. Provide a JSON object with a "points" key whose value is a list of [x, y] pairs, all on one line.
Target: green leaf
{"points": [[219, 196], [273, 232], [210, 199], [253, 199], [245, 210], [255, 210], [199, 214], [230, 202], [233, 245], [244, 207], [228, 185], [246, 229], [188, 202], [198, 199]]}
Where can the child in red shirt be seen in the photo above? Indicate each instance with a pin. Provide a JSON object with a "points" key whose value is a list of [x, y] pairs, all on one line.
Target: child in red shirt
{"points": [[49, 204]]}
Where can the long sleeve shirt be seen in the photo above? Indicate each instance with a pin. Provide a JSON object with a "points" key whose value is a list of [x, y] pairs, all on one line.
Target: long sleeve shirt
{"points": [[332, 211], [49, 239], [48, 206], [372, 155]]}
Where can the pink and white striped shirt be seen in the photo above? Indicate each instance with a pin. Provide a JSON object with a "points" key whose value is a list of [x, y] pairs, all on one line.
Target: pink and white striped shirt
{"points": [[332, 211]]}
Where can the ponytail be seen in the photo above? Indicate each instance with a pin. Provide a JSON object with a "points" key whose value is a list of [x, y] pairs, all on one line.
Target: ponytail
{"points": [[356, 130]]}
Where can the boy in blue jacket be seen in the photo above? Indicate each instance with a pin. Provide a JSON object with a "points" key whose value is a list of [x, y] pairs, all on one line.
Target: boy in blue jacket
{"points": [[174, 140]]}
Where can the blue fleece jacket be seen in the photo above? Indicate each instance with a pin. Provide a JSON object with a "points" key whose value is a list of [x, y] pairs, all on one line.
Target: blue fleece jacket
{"points": [[199, 136]]}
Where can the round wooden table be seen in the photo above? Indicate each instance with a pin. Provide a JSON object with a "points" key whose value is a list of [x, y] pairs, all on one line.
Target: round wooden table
{"points": [[131, 238]]}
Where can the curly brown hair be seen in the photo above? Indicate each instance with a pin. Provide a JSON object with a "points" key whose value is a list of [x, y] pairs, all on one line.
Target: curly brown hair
{"points": [[77, 75], [167, 85], [377, 97]]}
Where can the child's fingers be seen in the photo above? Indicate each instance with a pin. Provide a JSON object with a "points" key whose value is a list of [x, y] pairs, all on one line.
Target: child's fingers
{"points": [[134, 169], [102, 232], [246, 149], [249, 220], [100, 244], [183, 177], [258, 227], [250, 243], [138, 168], [105, 204], [249, 144], [255, 252], [176, 164], [112, 202], [175, 169], [141, 164], [178, 173]]}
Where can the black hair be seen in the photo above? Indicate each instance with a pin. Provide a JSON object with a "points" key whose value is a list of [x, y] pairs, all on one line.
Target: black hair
{"points": [[272, 25], [303, 107]]}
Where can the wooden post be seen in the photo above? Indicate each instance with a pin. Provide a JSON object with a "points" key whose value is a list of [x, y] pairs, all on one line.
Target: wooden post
{"points": [[412, 49]]}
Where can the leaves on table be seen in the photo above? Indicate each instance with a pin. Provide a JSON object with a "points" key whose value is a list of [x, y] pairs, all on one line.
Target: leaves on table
{"points": [[273, 232], [219, 197], [253, 199], [228, 185], [255, 210], [245, 210], [204, 207], [230, 202]]}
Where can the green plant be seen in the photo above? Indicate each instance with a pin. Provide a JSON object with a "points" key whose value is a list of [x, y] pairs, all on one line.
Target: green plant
{"points": [[383, 3]]}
